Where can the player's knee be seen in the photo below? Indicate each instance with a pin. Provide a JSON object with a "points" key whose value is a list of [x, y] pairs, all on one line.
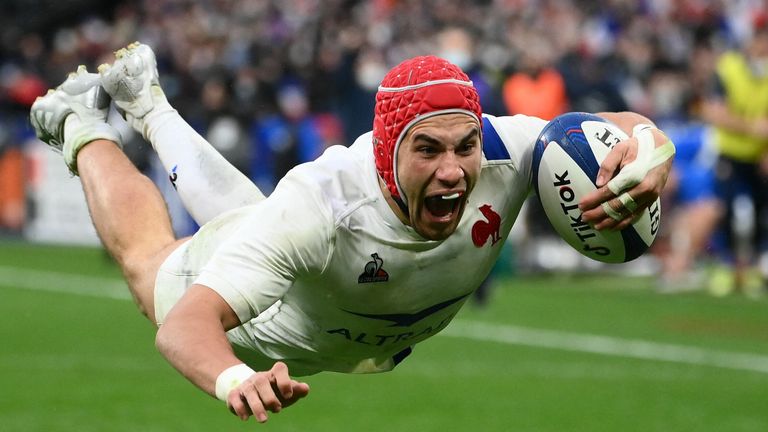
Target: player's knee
{"points": [[140, 273], [134, 269], [140, 265], [140, 268], [145, 308]]}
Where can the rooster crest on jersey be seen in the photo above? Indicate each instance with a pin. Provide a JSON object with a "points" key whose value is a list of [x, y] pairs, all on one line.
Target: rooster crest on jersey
{"points": [[416, 89], [483, 230]]}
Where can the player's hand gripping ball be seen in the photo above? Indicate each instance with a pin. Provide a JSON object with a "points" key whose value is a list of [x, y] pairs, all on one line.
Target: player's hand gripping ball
{"points": [[566, 159]]}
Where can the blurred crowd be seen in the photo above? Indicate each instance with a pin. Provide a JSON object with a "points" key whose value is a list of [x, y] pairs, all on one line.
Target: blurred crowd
{"points": [[272, 83]]}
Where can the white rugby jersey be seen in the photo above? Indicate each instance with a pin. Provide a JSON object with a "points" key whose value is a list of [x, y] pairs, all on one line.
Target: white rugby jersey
{"points": [[324, 276]]}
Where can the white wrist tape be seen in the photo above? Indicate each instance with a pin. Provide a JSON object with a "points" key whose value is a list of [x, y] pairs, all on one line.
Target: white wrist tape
{"points": [[635, 171], [663, 153], [231, 377]]}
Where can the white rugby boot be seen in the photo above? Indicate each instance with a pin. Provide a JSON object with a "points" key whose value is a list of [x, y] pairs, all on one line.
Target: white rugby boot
{"points": [[132, 81], [82, 96]]}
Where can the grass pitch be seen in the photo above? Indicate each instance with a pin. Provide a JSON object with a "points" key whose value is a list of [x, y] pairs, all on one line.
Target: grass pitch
{"points": [[550, 353]]}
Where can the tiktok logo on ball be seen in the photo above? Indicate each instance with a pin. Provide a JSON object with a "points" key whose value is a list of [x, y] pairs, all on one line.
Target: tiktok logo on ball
{"points": [[583, 231]]}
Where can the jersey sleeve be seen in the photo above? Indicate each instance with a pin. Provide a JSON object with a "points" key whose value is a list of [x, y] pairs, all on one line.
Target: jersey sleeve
{"points": [[517, 134], [287, 236]]}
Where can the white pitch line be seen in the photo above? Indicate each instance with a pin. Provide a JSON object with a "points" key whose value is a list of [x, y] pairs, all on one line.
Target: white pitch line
{"points": [[66, 283], [605, 345]]}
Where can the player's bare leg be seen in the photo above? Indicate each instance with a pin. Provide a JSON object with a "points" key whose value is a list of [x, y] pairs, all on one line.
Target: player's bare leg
{"points": [[195, 167], [130, 217], [126, 208]]}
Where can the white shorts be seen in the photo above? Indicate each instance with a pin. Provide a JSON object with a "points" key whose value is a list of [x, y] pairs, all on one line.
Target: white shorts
{"points": [[174, 277], [171, 283], [182, 267], [180, 271]]}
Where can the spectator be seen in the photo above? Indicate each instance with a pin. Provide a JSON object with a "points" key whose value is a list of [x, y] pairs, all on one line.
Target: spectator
{"points": [[691, 207], [537, 88], [738, 110], [608, 53]]}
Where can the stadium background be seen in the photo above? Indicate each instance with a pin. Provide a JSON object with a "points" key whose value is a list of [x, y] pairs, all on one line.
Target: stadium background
{"points": [[271, 84]]}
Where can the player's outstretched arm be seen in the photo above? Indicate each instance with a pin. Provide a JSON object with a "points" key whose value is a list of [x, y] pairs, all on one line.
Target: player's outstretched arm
{"points": [[193, 339], [632, 176]]}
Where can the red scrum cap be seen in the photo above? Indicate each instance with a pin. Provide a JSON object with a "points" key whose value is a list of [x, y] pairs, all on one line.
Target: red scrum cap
{"points": [[416, 89]]}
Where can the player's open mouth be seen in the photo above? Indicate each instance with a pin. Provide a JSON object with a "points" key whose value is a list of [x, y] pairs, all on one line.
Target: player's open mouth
{"points": [[443, 206]]}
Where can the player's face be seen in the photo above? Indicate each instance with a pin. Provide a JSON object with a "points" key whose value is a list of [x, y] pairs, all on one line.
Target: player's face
{"points": [[438, 164]]}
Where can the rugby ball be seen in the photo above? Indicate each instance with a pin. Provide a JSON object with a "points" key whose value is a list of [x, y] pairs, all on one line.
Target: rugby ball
{"points": [[566, 159]]}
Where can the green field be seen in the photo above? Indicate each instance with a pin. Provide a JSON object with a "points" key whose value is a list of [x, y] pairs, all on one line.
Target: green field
{"points": [[554, 353]]}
